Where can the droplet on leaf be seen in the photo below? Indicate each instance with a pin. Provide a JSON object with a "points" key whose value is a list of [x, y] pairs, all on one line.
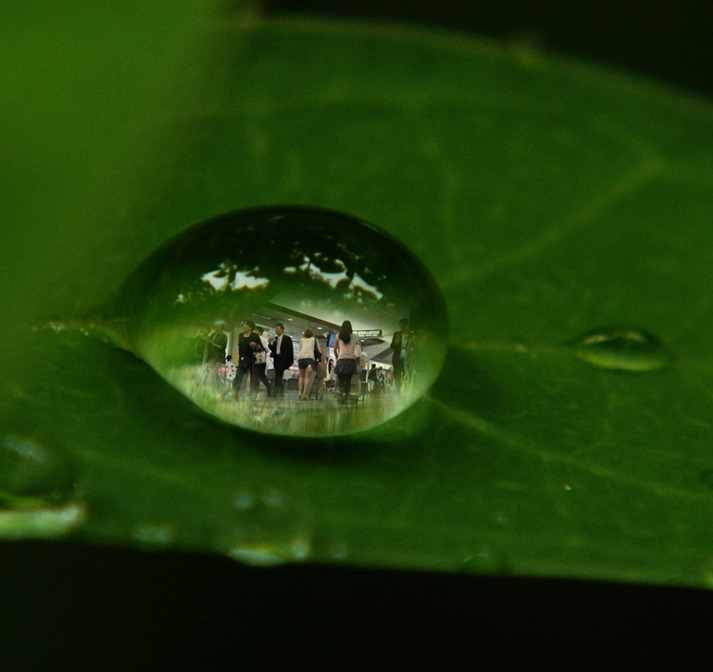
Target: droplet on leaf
{"points": [[624, 349], [264, 526], [38, 496], [486, 560], [153, 534], [185, 308]]}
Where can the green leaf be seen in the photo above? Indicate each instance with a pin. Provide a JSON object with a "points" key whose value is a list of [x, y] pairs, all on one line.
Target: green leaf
{"points": [[547, 198]]}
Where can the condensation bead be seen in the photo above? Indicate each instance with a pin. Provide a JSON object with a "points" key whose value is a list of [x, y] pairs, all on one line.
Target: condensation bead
{"points": [[194, 300], [624, 349]]}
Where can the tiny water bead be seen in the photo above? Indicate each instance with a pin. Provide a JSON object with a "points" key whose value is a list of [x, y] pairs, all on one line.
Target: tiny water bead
{"points": [[623, 349], [195, 307], [153, 534], [38, 495], [266, 525]]}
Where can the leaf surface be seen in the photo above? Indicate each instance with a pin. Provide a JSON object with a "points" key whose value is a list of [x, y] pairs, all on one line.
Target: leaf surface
{"points": [[547, 198]]}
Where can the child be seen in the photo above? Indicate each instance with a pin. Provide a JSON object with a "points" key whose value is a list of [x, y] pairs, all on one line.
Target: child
{"points": [[227, 374]]}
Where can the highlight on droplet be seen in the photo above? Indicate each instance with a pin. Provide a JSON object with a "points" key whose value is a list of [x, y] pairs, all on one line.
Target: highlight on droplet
{"points": [[623, 348]]}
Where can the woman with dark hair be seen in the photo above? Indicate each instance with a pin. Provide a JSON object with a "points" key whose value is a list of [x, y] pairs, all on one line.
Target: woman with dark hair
{"points": [[344, 349], [306, 361], [248, 343]]}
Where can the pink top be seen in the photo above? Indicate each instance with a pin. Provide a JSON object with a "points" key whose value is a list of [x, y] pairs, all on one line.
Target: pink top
{"points": [[346, 350]]}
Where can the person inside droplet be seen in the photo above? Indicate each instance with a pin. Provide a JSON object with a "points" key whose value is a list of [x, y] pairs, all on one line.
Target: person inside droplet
{"points": [[248, 343], [283, 355], [307, 363], [399, 344], [260, 355], [319, 385], [371, 380], [345, 349], [227, 374], [217, 344], [199, 351]]}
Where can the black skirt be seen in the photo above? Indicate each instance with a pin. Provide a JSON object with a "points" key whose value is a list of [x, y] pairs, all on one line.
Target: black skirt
{"points": [[346, 367]]}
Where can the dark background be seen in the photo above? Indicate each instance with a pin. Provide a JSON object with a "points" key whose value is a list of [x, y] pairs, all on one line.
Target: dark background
{"points": [[72, 607], [667, 40]]}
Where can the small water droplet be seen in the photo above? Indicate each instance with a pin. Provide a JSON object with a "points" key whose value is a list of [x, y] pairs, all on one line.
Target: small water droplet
{"points": [[623, 349], [38, 494], [194, 301], [154, 534], [338, 551], [266, 526], [486, 560]]}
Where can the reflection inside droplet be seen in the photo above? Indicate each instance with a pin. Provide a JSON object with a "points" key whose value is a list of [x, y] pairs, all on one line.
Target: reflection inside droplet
{"points": [[623, 348], [249, 315]]}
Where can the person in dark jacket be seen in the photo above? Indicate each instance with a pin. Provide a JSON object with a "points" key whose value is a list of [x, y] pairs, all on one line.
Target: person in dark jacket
{"points": [[248, 343], [399, 344], [283, 354]]}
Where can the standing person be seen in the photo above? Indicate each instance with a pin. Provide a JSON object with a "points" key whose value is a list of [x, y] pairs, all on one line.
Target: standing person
{"points": [[307, 362], [248, 342], [373, 375], [228, 372], [321, 373], [261, 360], [344, 347], [399, 344], [199, 353], [217, 343], [330, 374], [199, 350], [283, 355]]}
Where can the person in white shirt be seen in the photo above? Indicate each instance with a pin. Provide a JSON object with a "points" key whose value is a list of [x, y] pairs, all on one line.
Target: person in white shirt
{"points": [[227, 373], [307, 363]]}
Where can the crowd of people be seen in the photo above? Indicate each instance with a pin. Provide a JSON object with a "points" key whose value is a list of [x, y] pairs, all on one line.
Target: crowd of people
{"points": [[257, 355]]}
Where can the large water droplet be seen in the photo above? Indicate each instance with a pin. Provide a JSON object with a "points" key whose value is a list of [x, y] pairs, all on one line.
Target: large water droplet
{"points": [[266, 525], [195, 300], [38, 495], [624, 349]]}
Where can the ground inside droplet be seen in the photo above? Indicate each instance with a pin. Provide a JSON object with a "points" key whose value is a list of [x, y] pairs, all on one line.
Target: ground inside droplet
{"points": [[288, 320]]}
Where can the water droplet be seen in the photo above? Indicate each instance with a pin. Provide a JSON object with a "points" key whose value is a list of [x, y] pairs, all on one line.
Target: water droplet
{"points": [[624, 349], [266, 526], [186, 307], [38, 495], [338, 551], [486, 560], [154, 534]]}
